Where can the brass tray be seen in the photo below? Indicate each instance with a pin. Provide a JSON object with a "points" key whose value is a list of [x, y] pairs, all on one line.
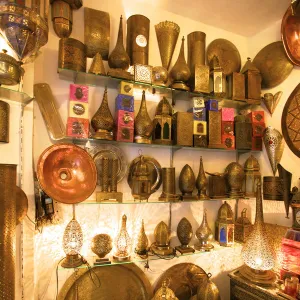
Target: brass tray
{"points": [[227, 53], [289, 34], [273, 64], [21, 205], [290, 121], [154, 169], [109, 151], [119, 282], [184, 280]]}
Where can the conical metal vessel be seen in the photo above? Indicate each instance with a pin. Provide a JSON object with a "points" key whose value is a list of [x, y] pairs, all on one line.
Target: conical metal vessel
{"points": [[167, 34], [97, 66], [274, 144], [204, 235], [286, 178], [271, 101], [201, 182], [142, 241]]}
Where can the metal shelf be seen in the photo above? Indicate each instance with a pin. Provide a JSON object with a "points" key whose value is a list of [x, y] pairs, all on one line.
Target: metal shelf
{"points": [[12, 95]]}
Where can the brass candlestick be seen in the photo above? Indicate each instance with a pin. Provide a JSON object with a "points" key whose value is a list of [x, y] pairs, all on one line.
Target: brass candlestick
{"points": [[184, 234]]}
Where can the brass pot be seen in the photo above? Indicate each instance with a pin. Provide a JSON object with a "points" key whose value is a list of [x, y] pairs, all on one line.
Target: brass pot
{"points": [[10, 69]]}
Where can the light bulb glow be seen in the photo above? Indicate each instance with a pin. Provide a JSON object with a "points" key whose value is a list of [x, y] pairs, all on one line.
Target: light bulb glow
{"points": [[73, 238], [123, 240]]}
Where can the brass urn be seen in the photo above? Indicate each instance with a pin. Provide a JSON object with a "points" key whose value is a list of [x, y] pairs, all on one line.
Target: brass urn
{"points": [[184, 234], [235, 176], [180, 72], [103, 122], [142, 241], [204, 235], [143, 125], [187, 183], [201, 182]]}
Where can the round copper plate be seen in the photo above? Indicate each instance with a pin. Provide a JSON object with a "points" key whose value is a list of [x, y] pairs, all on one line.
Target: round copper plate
{"points": [[119, 282], [184, 280], [290, 121], [21, 205], [290, 28], [67, 173], [273, 64], [227, 53]]}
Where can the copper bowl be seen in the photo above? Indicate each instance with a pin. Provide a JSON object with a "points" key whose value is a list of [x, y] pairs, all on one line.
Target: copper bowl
{"points": [[67, 173], [290, 35]]}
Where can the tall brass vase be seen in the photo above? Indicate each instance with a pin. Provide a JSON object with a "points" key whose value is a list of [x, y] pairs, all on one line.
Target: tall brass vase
{"points": [[201, 182], [7, 232]]}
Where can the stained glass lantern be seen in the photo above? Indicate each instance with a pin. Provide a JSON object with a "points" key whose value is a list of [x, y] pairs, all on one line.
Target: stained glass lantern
{"points": [[217, 78], [252, 176]]}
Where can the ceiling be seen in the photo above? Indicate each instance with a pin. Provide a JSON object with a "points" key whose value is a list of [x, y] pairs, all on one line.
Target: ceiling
{"points": [[244, 17]]}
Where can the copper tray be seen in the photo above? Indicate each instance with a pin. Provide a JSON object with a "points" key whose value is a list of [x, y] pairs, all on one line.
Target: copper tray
{"points": [[184, 280], [290, 121], [289, 34], [21, 205], [67, 173], [119, 282], [273, 64], [227, 53], [154, 169]]}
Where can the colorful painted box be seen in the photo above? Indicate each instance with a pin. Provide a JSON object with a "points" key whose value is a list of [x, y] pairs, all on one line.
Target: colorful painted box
{"points": [[200, 127], [257, 143], [212, 105], [125, 118], [126, 88], [227, 128], [228, 141], [198, 102], [124, 102], [227, 114], [79, 93], [78, 128], [256, 117], [258, 129], [124, 134], [200, 141], [183, 128], [78, 110], [199, 113]]}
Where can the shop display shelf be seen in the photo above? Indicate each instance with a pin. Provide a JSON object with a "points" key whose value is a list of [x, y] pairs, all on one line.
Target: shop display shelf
{"points": [[13, 95]]}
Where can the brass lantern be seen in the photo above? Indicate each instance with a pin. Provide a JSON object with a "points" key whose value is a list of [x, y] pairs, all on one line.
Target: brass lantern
{"points": [[141, 182], [225, 225], [162, 123], [252, 176], [242, 227], [217, 78]]}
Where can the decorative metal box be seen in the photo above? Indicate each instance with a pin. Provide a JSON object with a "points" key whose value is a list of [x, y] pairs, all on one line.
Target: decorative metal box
{"points": [[198, 102], [143, 73], [199, 113], [78, 128], [242, 227], [126, 88], [273, 188], [124, 134], [258, 129], [236, 86], [217, 186], [200, 141], [243, 133], [62, 18], [227, 128], [124, 119], [252, 176], [228, 141], [200, 127], [183, 128], [200, 84], [257, 143], [214, 129], [227, 114], [257, 116], [212, 105], [79, 93], [217, 78], [124, 102]]}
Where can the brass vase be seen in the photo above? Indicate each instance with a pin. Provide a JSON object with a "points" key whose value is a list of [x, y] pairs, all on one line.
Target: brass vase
{"points": [[271, 101], [142, 241], [201, 182], [101, 244], [4, 122], [7, 234], [204, 235], [180, 72], [235, 175], [167, 34], [103, 122], [97, 66], [143, 125], [184, 234], [187, 183]]}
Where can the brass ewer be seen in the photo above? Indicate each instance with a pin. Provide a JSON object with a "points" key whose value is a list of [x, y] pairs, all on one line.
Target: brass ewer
{"points": [[187, 183], [97, 66], [201, 182], [180, 72], [102, 121], [143, 125], [204, 235], [142, 241], [184, 234]]}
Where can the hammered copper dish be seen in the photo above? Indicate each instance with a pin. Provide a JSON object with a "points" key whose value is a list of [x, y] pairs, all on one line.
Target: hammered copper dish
{"points": [[227, 53], [119, 282], [273, 65], [290, 26], [21, 205], [67, 173]]}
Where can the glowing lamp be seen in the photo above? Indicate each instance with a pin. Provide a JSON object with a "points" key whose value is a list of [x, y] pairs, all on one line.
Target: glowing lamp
{"points": [[252, 176], [257, 253]]}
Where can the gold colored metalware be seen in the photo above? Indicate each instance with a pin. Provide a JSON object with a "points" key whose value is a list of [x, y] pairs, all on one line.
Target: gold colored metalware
{"points": [[235, 176], [168, 182], [51, 116], [273, 188], [122, 243], [227, 54], [143, 125], [274, 144], [187, 183], [67, 173], [21, 205], [216, 186], [62, 18], [286, 179], [97, 66], [141, 247], [164, 292], [208, 291], [273, 64], [101, 244], [102, 121], [217, 78], [137, 45], [184, 234], [72, 55], [242, 227], [204, 235], [252, 176], [201, 182], [162, 240], [200, 82], [180, 73], [215, 129], [236, 86], [8, 174], [96, 32], [4, 122], [159, 76], [271, 101], [183, 123], [131, 281], [143, 73]]}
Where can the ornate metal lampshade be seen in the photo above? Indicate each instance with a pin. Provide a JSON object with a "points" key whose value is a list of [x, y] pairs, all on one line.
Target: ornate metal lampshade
{"points": [[252, 176], [218, 78], [123, 243]]}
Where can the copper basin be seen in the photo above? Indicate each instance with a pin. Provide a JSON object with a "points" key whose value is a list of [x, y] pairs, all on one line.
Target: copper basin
{"points": [[290, 35], [67, 173]]}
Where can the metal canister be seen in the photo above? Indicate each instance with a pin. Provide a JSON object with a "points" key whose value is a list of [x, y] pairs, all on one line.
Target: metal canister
{"points": [[10, 69], [72, 55], [273, 188], [169, 189], [4, 122], [138, 28]]}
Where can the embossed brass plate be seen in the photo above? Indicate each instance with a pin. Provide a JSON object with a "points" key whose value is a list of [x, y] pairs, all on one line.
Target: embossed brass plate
{"points": [[96, 32]]}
